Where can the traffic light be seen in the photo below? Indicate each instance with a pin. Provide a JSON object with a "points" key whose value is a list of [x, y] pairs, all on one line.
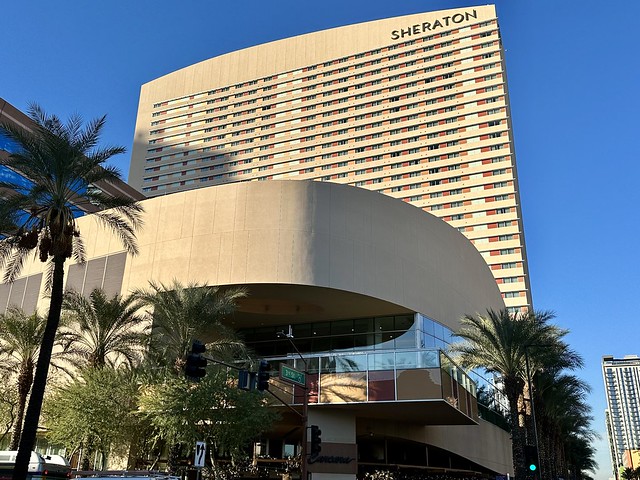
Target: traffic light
{"points": [[246, 380], [263, 376], [316, 441], [531, 458], [196, 366]]}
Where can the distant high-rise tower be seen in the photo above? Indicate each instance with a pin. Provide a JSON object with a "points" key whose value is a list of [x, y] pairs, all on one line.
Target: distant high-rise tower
{"points": [[622, 384], [414, 107]]}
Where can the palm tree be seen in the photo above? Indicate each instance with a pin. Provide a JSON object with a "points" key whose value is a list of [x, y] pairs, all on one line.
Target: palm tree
{"points": [[62, 162], [102, 331], [563, 415], [182, 313], [498, 342], [20, 340]]}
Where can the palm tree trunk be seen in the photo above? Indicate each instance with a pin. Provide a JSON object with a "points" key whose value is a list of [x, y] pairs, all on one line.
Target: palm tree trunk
{"points": [[30, 428], [25, 379], [512, 391]]}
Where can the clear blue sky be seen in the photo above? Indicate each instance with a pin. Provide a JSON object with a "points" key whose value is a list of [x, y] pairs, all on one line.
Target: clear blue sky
{"points": [[573, 72]]}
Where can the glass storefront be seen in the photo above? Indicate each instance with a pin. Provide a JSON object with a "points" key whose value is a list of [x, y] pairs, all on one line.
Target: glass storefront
{"points": [[397, 332]]}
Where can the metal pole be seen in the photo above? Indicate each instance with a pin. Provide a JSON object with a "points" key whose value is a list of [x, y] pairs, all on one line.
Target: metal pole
{"points": [[533, 410], [305, 404], [305, 422]]}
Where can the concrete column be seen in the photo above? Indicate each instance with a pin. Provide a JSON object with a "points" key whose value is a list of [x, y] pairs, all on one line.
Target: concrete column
{"points": [[338, 459]]}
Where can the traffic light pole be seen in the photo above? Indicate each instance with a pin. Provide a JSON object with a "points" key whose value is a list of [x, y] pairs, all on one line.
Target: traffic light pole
{"points": [[533, 410], [305, 421], [305, 405]]}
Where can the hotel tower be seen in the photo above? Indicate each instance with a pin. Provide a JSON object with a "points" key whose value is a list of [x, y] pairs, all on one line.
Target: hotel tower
{"points": [[413, 107]]}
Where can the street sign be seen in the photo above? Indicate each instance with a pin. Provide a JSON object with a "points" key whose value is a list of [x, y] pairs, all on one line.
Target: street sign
{"points": [[199, 458], [292, 375]]}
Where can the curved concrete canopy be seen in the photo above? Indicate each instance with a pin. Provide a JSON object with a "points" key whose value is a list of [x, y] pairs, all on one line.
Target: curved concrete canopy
{"points": [[309, 251], [362, 248]]}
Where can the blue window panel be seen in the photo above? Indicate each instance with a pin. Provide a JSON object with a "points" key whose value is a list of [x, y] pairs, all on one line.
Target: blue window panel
{"points": [[8, 175], [7, 144]]}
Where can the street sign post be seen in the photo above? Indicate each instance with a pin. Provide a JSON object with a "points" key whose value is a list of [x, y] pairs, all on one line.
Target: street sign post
{"points": [[200, 455], [292, 375]]}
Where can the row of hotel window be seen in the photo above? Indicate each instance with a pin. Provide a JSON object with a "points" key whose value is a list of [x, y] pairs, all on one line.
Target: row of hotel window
{"points": [[352, 58], [312, 169], [298, 129], [345, 84], [296, 161], [385, 111], [372, 181], [443, 123], [192, 109], [222, 125]]}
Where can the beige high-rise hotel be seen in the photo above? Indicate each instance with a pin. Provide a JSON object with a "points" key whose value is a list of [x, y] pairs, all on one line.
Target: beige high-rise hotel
{"points": [[414, 107]]}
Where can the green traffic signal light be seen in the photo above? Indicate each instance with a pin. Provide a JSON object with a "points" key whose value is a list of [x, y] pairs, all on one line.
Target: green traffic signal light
{"points": [[531, 457]]}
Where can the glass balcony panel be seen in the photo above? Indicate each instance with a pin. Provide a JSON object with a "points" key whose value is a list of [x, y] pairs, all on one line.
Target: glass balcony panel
{"points": [[382, 386], [428, 359], [418, 384], [381, 361], [343, 387], [406, 360], [328, 364], [351, 363]]}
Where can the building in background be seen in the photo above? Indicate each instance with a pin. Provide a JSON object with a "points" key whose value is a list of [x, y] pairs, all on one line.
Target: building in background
{"points": [[11, 115], [414, 107], [622, 385]]}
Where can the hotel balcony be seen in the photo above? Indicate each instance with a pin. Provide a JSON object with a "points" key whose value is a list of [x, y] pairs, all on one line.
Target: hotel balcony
{"points": [[421, 385]]}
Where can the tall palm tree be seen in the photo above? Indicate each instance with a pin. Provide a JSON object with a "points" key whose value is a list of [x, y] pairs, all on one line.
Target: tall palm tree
{"points": [[563, 415], [498, 342], [62, 162], [103, 331], [20, 340], [182, 313]]}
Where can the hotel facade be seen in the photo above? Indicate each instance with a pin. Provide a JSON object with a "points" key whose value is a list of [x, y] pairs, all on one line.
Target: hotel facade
{"points": [[414, 107]]}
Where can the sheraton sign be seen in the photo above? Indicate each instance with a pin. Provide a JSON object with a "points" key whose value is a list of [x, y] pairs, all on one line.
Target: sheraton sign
{"points": [[442, 22]]}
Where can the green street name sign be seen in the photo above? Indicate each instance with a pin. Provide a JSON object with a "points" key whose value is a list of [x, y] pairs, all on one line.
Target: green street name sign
{"points": [[292, 375]]}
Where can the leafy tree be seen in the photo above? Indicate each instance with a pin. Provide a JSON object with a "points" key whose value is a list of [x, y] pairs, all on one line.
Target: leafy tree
{"points": [[63, 163], [103, 331], [214, 410], [8, 405], [498, 342], [182, 313], [96, 411], [20, 340], [627, 473]]}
